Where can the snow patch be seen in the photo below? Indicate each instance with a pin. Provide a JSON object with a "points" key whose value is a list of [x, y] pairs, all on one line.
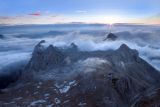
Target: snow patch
{"points": [[36, 102], [57, 101], [19, 98], [90, 64], [82, 104], [64, 88], [47, 94], [51, 105]]}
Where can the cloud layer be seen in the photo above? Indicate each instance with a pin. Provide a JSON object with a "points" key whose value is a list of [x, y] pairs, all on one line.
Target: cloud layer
{"points": [[20, 40]]}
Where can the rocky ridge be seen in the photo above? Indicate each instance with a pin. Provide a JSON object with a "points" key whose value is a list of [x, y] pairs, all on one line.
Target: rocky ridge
{"points": [[122, 80], [111, 36]]}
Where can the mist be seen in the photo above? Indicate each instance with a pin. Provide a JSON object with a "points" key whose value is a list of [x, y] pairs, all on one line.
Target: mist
{"points": [[19, 42]]}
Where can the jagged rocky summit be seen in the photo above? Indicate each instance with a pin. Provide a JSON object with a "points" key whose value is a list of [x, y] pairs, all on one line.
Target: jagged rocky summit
{"points": [[44, 58], [111, 36], [1, 36], [122, 80]]}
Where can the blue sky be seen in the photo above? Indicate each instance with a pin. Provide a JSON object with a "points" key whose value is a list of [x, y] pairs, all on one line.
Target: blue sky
{"points": [[79, 10]]}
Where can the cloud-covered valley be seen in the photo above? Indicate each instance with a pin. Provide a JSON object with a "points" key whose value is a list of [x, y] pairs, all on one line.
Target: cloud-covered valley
{"points": [[19, 41]]}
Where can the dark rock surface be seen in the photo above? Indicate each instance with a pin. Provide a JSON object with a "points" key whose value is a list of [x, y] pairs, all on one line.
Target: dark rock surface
{"points": [[123, 80], [73, 47], [111, 36], [115, 85], [11, 73], [7, 78], [1, 36], [45, 58]]}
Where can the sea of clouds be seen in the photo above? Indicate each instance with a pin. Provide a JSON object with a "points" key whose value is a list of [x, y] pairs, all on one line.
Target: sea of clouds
{"points": [[19, 41]]}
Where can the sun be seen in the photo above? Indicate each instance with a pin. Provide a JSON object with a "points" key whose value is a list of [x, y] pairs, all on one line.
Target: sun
{"points": [[112, 19]]}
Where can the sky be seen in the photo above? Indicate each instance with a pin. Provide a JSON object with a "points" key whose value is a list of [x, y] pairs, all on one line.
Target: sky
{"points": [[88, 11]]}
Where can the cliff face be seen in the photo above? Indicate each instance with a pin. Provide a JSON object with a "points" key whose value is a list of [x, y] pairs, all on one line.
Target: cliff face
{"points": [[122, 79], [45, 58], [115, 84]]}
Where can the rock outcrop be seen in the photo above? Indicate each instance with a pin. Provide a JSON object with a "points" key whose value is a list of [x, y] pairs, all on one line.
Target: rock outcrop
{"points": [[123, 80], [117, 83], [45, 58], [111, 36], [1, 36], [73, 47], [9, 76]]}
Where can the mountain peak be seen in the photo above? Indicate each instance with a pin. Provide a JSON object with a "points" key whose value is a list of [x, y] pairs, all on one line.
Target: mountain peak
{"points": [[73, 44], [42, 41], [124, 47], [126, 54], [111, 36], [73, 47], [51, 48], [42, 58], [1, 36]]}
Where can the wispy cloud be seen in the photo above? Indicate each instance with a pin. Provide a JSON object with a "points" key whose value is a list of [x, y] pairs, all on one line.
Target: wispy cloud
{"points": [[55, 16], [81, 11], [32, 19], [35, 14], [5, 17]]}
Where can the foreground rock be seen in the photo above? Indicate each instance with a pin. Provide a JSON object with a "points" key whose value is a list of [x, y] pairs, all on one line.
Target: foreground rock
{"points": [[10, 74], [117, 78]]}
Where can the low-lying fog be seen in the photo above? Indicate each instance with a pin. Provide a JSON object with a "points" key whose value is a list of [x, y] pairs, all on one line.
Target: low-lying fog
{"points": [[19, 41]]}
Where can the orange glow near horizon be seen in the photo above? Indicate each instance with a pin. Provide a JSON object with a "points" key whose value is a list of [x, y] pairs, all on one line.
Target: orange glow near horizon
{"points": [[108, 19]]}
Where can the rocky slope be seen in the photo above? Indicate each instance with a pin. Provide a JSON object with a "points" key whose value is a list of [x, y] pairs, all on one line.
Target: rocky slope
{"points": [[111, 36], [1, 36], [72, 78]]}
